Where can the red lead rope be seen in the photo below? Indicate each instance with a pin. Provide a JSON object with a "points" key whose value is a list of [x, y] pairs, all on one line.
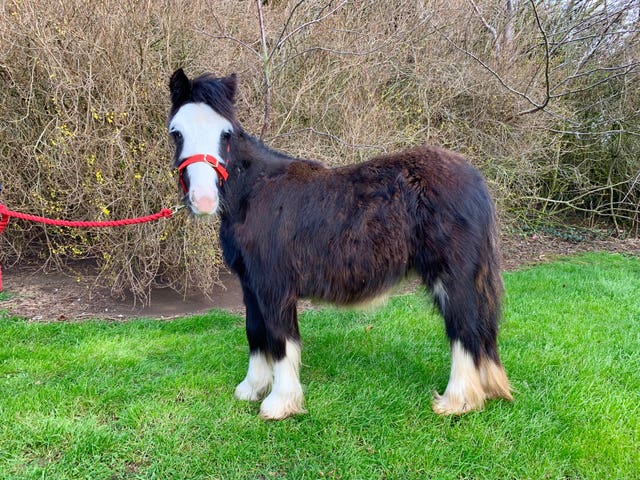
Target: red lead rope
{"points": [[5, 214]]}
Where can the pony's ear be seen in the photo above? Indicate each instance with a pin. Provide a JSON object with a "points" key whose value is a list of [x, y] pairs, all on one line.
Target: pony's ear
{"points": [[179, 87], [231, 85]]}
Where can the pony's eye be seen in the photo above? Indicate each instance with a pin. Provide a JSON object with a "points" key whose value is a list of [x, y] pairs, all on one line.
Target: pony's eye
{"points": [[177, 136]]}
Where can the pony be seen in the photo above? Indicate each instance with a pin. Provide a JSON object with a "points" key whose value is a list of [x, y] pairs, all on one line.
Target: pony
{"points": [[292, 228]]}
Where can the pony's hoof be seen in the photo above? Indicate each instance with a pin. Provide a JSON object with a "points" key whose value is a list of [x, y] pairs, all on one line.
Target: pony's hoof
{"points": [[279, 407], [244, 391], [448, 404]]}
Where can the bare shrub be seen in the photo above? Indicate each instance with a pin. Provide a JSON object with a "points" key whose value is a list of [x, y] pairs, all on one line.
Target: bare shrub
{"points": [[83, 137], [574, 66]]}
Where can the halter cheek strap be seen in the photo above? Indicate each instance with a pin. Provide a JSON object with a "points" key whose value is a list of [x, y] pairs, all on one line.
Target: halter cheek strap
{"points": [[202, 157]]}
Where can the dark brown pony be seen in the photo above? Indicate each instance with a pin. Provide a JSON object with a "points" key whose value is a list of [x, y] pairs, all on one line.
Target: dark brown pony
{"points": [[292, 228]]}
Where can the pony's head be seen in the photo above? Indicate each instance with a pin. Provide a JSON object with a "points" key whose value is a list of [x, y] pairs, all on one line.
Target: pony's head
{"points": [[201, 121]]}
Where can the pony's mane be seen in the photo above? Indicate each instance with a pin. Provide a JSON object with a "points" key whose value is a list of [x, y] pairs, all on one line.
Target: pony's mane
{"points": [[263, 158], [211, 90], [253, 147]]}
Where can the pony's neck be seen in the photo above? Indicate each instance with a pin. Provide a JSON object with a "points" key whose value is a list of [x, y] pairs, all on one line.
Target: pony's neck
{"points": [[252, 152]]}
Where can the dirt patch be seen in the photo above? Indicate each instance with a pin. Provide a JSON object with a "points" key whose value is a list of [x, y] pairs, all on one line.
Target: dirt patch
{"points": [[522, 251], [42, 296], [48, 296]]}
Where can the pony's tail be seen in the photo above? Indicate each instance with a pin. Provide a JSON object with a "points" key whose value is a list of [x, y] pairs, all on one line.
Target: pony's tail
{"points": [[490, 290]]}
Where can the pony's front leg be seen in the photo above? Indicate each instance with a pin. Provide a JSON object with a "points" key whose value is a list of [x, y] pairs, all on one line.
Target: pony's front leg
{"points": [[286, 397], [258, 379], [260, 373]]}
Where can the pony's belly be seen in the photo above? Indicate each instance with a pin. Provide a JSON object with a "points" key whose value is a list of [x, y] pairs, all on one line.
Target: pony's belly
{"points": [[362, 304], [366, 296], [371, 303]]}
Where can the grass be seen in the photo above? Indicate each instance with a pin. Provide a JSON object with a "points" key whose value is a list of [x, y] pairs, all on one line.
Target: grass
{"points": [[153, 399]]}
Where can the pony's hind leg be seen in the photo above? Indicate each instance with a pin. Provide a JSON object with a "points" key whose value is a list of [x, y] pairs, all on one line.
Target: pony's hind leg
{"points": [[260, 373], [286, 397], [464, 391], [471, 382], [471, 322]]}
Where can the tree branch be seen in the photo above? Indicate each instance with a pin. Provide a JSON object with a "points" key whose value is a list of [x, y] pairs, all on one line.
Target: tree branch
{"points": [[266, 72], [491, 30], [495, 74], [288, 21], [232, 39], [283, 39], [547, 82]]}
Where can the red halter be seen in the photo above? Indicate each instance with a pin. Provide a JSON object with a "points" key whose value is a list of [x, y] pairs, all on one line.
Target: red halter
{"points": [[202, 157]]}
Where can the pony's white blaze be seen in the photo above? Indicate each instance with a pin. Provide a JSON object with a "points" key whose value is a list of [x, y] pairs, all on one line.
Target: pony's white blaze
{"points": [[201, 128], [203, 188], [286, 397]]}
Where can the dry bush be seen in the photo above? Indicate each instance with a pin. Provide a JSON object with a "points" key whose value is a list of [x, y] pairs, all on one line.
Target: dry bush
{"points": [[390, 75], [83, 136], [84, 101], [574, 67]]}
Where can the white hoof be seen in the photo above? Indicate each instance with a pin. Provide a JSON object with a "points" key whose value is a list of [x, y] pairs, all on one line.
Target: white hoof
{"points": [[245, 391], [258, 380], [449, 404], [278, 407], [464, 392], [286, 397]]}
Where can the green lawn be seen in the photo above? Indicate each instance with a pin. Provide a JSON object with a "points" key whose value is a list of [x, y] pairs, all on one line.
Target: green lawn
{"points": [[153, 399]]}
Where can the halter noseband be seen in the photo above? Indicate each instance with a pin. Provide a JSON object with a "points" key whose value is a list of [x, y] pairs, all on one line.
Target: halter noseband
{"points": [[202, 157]]}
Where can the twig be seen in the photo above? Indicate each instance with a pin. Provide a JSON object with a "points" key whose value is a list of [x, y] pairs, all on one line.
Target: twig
{"points": [[595, 84], [595, 134], [286, 37], [629, 67], [288, 21], [265, 70], [547, 82], [233, 39], [329, 135], [492, 30], [492, 72]]}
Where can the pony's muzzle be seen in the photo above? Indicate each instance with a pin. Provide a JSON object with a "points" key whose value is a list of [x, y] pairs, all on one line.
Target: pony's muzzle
{"points": [[203, 203], [199, 181]]}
